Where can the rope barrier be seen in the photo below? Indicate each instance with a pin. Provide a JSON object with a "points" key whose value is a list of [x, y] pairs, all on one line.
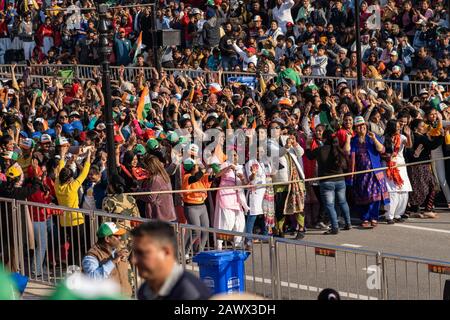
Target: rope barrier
{"points": [[342, 175]]}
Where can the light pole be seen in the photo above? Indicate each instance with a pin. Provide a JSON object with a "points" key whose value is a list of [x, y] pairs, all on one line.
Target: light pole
{"points": [[359, 79], [105, 52], [154, 33]]}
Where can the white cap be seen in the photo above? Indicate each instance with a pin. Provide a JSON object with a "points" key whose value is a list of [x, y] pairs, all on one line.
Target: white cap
{"points": [[46, 138], [394, 53], [341, 81], [396, 69]]}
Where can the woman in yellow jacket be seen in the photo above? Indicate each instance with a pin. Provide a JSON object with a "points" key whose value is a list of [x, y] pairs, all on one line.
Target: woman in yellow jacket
{"points": [[72, 223]]}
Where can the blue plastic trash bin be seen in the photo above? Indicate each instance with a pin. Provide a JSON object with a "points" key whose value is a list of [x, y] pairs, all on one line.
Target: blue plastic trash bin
{"points": [[222, 271]]}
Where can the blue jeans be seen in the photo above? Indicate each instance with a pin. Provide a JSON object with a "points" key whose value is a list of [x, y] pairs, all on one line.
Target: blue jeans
{"points": [[228, 63], [40, 229], [333, 193], [250, 224]]}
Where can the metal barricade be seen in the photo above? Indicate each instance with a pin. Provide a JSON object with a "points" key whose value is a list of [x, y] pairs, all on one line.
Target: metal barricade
{"points": [[51, 246], [306, 268], [9, 243], [411, 278], [276, 268]]}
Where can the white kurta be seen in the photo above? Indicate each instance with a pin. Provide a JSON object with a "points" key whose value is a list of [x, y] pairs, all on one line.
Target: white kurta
{"points": [[400, 159], [256, 195]]}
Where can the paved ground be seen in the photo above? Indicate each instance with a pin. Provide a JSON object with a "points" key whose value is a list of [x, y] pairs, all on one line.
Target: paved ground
{"points": [[425, 238], [303, 273]]}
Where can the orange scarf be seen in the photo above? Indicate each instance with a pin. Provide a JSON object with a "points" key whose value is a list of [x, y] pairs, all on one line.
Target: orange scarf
{"points": [[392, 172]]}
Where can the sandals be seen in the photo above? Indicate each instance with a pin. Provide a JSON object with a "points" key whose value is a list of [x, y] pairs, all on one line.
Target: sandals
{"points": [[374, 223], [430, 214], [365, 224]]}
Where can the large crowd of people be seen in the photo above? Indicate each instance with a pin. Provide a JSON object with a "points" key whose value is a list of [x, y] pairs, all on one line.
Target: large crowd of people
{"points": [[171, 130]]}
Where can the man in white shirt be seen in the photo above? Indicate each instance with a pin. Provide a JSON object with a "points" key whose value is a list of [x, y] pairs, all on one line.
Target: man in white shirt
{"points": [[248, 57], [282, 13]]}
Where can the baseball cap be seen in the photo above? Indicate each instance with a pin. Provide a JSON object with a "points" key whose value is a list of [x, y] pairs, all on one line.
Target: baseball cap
{"points": [[13, 172], [173, 137], [279, 121], [341, 81], [196, 11], [67, 128], [122, 30], [423, 91], [390, 40], [139, 149], [183, 140], [257, 18], [152, 144], [27, 143], [62, 141], [101, 126], [359, 121], [394, 53], [77, 125], [188, 164], [396, 69], [285, 101], [118, 139], [45, 138], [74, 113], [24, 134], [251, 50], [109, 229]]}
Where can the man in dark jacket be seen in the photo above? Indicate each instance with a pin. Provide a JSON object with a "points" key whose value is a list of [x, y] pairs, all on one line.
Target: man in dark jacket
{"points": [[229, 56], [211, 30], [154, 249]]}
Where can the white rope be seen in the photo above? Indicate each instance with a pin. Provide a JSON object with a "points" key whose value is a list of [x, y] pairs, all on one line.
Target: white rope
{"points": [[342, 175]]}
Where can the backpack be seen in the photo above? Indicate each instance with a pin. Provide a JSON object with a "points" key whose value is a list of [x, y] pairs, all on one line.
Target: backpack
{"points": [[122, 204]]}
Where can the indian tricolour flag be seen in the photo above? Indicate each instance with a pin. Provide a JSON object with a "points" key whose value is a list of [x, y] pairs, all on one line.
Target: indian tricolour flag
{"points": [[139, 47], [321, 118], [144, 104], [129, 98]]}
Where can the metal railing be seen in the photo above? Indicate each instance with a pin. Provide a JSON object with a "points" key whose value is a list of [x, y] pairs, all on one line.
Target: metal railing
{"points": [[276, 268], [86, 72]]}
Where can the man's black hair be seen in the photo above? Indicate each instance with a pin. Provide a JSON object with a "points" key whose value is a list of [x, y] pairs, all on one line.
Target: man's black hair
{"points": [[160, 230]]}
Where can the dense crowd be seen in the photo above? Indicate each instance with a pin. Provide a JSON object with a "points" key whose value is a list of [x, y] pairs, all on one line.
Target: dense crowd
{"points": [[172, 130], [400, 40]]}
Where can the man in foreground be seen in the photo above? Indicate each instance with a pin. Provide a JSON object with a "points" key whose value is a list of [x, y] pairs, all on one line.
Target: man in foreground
{"points": [[154, 248]]}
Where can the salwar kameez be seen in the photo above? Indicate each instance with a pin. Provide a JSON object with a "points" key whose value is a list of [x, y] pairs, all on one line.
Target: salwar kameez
{"points": [[369, 189]]}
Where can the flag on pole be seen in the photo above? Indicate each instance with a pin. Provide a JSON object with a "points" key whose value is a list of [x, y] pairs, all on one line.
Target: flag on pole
{"points": [[66, 75], [144, 104], [139, 47]]}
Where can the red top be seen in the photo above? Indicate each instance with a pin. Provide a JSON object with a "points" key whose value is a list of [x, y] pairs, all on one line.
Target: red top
{"points": [[44, 31]]}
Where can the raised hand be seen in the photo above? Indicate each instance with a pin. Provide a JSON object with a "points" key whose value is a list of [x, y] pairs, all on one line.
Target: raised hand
{"points": [[418, 151]]}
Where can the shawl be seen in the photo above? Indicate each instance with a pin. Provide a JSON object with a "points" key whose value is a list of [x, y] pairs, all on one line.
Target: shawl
{"points": [[393, 173]]}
